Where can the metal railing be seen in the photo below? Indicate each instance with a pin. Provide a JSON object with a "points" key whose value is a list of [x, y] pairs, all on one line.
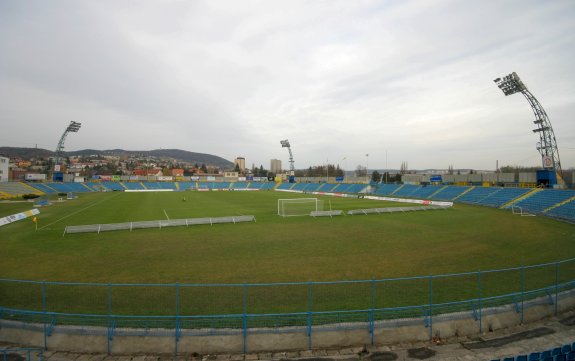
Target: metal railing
{"points": [[181, 310]]}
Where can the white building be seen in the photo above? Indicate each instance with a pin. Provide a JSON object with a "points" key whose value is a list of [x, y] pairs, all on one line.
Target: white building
{"points": [[275, 166], [4, 162]]}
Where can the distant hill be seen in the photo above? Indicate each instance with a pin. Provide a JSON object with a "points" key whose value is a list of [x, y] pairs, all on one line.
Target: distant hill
{"points": [[177, 154], [25, 153]]}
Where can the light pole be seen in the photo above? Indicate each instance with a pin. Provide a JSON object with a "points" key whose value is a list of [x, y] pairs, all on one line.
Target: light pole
{"points": [[344, 169], [367, 168], [547, 145], [386, 170]]}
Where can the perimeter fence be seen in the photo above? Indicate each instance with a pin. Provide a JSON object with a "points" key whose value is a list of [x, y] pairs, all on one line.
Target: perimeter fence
{"points": [[179, 310]]}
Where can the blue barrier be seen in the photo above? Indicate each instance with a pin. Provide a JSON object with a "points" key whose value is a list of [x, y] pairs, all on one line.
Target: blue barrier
{"points": [[308, 307]]}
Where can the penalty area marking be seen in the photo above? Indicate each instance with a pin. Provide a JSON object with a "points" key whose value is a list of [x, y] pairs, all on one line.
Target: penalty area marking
{"points": [[166, 213]]}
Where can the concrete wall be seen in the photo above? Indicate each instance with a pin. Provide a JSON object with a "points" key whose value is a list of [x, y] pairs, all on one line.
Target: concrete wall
{"points": [[528, 177], [125, 341]]}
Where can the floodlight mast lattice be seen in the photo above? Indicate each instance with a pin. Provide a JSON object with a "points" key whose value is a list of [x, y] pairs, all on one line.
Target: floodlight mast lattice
{"points": [[73, 127], [547, 145], [285, 144]]}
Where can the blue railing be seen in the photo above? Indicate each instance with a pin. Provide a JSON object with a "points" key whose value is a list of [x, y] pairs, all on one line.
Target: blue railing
{"points": [[182, 310]]}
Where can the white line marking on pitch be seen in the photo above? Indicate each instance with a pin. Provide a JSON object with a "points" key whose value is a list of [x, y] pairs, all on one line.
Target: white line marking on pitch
{"points": [[81, 210], [166, 215]]}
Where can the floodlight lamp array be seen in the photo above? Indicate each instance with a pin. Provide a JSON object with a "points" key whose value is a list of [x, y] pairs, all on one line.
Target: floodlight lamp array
{"points": [[510, 84], [285, 143], [73, 127]]}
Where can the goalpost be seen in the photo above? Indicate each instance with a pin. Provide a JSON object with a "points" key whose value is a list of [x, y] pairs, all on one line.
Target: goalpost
{"points": [[298, 206]]}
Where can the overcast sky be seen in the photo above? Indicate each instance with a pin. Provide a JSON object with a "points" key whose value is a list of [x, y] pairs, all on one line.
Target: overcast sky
{"points": [[339, 79]]}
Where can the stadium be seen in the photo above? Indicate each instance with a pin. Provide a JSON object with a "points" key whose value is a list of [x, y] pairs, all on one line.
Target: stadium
{"points": [[319, 264], [158, 265], [124, 250]]}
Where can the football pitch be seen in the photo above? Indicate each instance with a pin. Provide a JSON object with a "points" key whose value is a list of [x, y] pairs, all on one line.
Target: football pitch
{"points": [[272, 249], [213, 262]]}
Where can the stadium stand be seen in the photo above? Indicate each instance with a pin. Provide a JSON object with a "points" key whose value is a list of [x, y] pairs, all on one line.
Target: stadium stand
{"points": [[202, 185], [341, 188], [387, 189], [268, 186], [125, 185], [405, 191], [255, 185], [151, 185], [17, 189], [449, 193], [45, 188], [312, 187], [425, 191], [476, 194], [326, 187], [114, 186], [286, 186], [184, 186], [538, 202], [239, 185], [91, 187], [62, 187], [565, 211], [503, 196], [356, 188], [219, 185]]}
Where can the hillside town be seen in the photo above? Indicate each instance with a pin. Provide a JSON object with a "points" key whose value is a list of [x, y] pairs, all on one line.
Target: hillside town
{"points": [[125, 167]]}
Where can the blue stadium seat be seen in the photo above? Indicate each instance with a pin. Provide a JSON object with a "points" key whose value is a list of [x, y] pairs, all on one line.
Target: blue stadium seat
{"points": [[534, 356], [386, 189], [564, 211], [268, 186], [503, 196], [405, 191], [544, 199], [186, 185], [130, 185], [449, 193], [285, 186], [566, 349], [571, 355], [425, 191], [560, 357], [521, 358]]}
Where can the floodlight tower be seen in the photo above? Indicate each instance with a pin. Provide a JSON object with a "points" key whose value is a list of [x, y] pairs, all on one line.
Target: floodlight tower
{"points": [[547, 145], [285, 144], [73, 127]]}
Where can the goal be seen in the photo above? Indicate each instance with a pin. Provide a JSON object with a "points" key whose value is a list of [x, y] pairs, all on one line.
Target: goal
{"points": [[298, 206]]}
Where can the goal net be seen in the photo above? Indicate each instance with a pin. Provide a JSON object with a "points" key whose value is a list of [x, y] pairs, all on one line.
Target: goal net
{"points": [[298, 206]]}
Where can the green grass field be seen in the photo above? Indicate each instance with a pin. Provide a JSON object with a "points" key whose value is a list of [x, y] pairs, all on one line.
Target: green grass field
{"points": [[273, 249]]}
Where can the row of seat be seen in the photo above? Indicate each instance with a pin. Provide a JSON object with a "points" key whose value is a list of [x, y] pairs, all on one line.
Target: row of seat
{"points": [[50, 188], [551, 202], [561, 353], [16, 189]]}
